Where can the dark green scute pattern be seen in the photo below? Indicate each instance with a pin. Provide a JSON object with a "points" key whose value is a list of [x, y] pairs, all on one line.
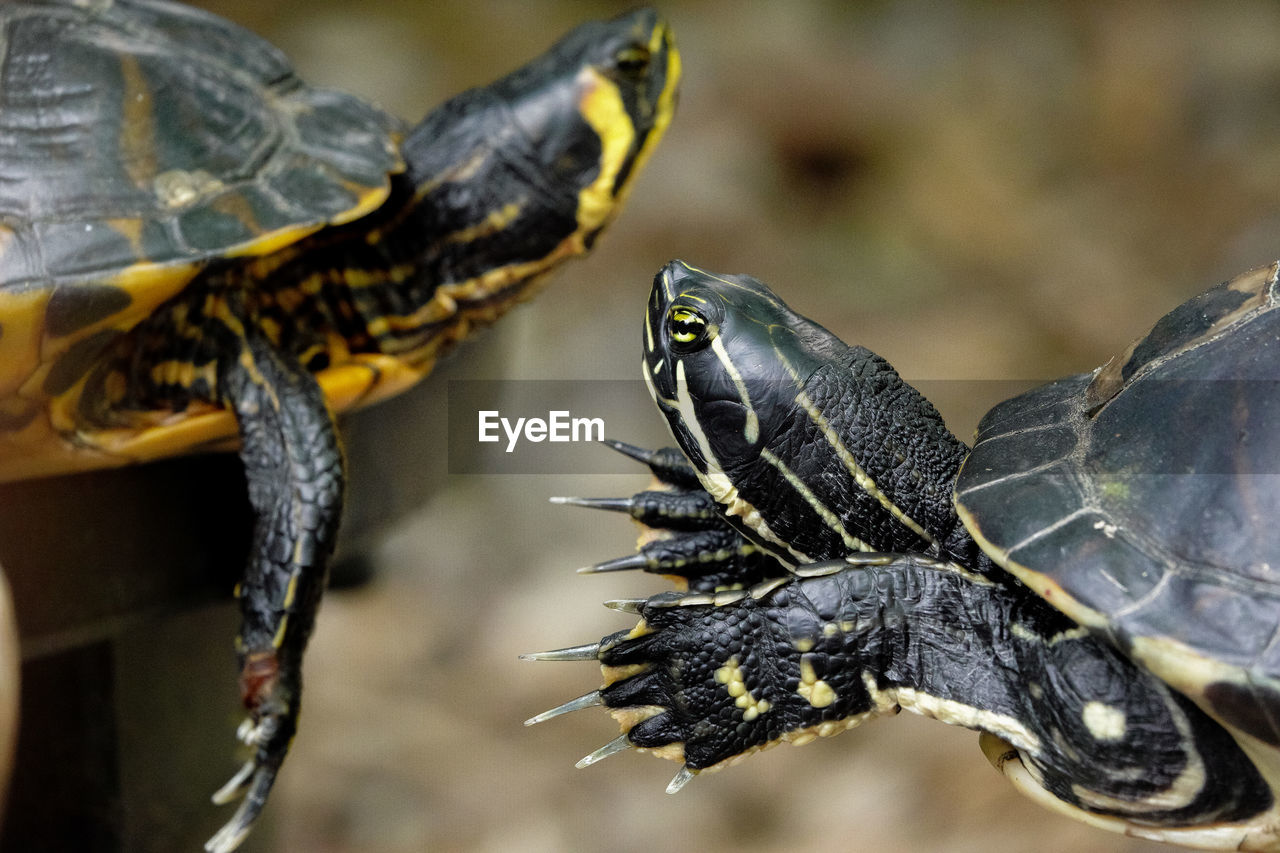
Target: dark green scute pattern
{"points": [[79, 147], [1160, 512]]}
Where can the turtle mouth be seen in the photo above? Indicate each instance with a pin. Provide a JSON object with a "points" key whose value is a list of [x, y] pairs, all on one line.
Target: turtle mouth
{"points": [[658, 372]]}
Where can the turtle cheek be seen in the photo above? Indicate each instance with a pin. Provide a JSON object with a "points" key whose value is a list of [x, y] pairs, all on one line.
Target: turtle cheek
{"points": [[733, 436]]}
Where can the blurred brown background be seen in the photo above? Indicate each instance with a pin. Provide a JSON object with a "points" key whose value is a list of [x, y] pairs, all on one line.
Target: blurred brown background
{"points": [[978, 191]]}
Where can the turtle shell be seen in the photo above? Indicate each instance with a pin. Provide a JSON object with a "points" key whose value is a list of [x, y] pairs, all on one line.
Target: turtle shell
{"points": [[139, 139], [1143, 500]]}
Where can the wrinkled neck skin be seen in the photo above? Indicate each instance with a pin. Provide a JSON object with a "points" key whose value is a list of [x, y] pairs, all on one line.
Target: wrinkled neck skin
{"points": [[474, 221], [1093, 728], [860, 461]]}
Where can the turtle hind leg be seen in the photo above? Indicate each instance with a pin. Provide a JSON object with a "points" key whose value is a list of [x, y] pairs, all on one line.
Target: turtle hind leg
{"points": [[293, 464]]}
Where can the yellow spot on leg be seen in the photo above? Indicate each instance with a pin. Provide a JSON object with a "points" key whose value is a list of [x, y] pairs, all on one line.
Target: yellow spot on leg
{"points": [[731, 676], [816, 691], [1104, 722], [278, 640]]}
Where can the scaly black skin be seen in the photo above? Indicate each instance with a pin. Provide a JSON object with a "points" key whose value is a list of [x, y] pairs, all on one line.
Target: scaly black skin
{"points": [[493, 186], [914, 626], [928, 623]]}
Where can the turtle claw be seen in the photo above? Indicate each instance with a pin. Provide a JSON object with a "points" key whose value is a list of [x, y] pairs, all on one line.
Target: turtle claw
{"points": [[682, 777], [589, 700], [590, 651], [254, 781], [619, 744], [626, 605], [609, 504], [236, 785], [618, 564]]}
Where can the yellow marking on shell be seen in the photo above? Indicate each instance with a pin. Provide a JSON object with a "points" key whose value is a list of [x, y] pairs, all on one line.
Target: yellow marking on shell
{"points": [[368, 378], [368, 199], [178, 188], [751, 429], [273, 241], [130, 230], [828, 517], [804, 644], [20, 343], [733, 679], [137, 132], [817, 692]]}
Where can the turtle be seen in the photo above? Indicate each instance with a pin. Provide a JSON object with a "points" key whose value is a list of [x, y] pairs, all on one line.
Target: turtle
{"points": [[1093, 586], [199, 251]]}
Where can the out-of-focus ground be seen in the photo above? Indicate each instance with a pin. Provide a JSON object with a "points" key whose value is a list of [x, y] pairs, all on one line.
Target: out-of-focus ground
{"points": [[977, 191]]}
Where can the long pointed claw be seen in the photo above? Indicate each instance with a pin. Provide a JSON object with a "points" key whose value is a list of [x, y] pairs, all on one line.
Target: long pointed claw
{"points": [[626, 605], [681, 779], [587, 652], [618, 744], [589, 700], [610, 504], [619, 564], [236, 785], [637, 453], [227, 838], [237, 829]]}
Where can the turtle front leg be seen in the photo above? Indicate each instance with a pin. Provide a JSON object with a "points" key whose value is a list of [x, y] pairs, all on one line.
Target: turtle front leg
{"points": [[705, 679], [683, 534], [293, 464]]}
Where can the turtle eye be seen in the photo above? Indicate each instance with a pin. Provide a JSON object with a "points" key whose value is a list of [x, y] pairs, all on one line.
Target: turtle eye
{"points": [[632, 59], [687, 328]]}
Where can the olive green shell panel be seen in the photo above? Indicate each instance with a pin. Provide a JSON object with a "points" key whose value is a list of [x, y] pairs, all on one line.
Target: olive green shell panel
{"points": [[146, 132], [138, 140], [1144, 500]]}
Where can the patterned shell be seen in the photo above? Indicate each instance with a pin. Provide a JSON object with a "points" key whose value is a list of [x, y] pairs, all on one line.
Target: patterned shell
{"points": [[139, 139], [1143, 499]]}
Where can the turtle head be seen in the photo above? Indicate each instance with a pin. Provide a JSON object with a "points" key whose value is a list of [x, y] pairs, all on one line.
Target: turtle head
{"points": [[724, 359], [509, 179], [593, 107], [813, 448]]}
